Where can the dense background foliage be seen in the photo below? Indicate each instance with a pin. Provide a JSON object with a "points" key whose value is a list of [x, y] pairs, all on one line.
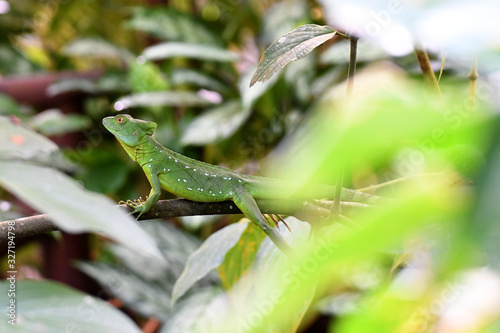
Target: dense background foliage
{"points": [[426, 261]]}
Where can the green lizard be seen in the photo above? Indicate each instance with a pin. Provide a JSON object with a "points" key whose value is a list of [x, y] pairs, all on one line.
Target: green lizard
{"points": [[203, 182]]}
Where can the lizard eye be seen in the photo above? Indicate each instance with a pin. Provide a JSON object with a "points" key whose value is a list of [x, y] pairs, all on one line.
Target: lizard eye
{"points": [[119, 120]]}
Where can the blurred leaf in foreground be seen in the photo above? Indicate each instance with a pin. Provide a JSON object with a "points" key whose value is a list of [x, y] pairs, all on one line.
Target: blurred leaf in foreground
{"points": [[49, 306], [209, 256]]}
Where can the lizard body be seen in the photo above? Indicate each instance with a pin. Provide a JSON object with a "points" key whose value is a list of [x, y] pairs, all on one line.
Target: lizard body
{"points": [[203, 182]]}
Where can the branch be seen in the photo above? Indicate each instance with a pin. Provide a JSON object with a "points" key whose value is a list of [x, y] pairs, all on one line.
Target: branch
{"points": [[339, 182], [425, 66], [39, 224], [473, 76]]}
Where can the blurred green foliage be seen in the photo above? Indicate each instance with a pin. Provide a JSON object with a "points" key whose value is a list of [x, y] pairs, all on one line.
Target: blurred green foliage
{"points": [[188, 66]]}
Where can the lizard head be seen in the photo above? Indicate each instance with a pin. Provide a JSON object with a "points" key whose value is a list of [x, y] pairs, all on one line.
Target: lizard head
{"points": [[128, 130]]}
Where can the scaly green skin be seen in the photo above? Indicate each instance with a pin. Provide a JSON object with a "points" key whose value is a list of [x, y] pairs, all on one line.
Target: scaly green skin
{"points": [[203, 182]]}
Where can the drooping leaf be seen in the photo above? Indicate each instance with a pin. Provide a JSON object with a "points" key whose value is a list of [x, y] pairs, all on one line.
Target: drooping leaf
{"points": [[175, 245], [145, 283], [196, 312], [98, 48], [290, 47], [268, 261], [187, 50], [240, 258], [208, 257], [44, 306], [161, 98], [71, 207], [260, 291], [216, 124]]}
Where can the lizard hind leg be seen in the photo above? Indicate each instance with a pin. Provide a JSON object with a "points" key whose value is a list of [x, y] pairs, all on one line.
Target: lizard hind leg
{"points": [[246, 203]]}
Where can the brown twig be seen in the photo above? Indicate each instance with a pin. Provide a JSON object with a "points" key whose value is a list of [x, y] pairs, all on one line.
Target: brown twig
{"points": [[39, 224], [425, 66]]}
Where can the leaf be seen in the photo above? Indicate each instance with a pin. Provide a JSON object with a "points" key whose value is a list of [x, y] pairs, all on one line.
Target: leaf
{"points": [[269, 262], [44, 306], [188, 76], [240, 258], [97, 48], [170, 24], [145, 76], [145, 283], [250, 95], [72, 85], [19, 143], [9, 106], [293, 46], [161, 98], [187, 50], [208, 257], [486, 213], [405, 122], [175, 245], [71, 207], [215, 124], [148, 298], [54, 122], [283, 17], [196, 312]]}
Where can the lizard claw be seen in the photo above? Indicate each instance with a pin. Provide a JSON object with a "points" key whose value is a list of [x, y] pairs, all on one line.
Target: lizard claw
{"points": [[276, 219]]}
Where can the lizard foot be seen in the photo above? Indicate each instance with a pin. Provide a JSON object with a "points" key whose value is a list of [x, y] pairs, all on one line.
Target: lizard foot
{"points": [[276, 219]]}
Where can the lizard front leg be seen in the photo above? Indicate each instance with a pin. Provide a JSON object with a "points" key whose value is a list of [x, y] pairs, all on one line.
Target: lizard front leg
{"points": [[246, 203], [152, 199]]}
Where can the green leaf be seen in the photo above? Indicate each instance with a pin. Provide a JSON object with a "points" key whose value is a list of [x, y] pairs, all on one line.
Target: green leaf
{"points": [[208, 257], [71, 85], [99, 48], [9, 107], [148, 298], [145, 283], [170, 24], [146, 76], [161, 98], [283, 17], [195, 77], [293, 46], [54, 122], [187, 50], [403, 119], [269, 262], [19, 143], [175, 245], [196, 312], [240, 258], [44, 306], [485, 228], [71, 207], [250, 95], [215, 124]]}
